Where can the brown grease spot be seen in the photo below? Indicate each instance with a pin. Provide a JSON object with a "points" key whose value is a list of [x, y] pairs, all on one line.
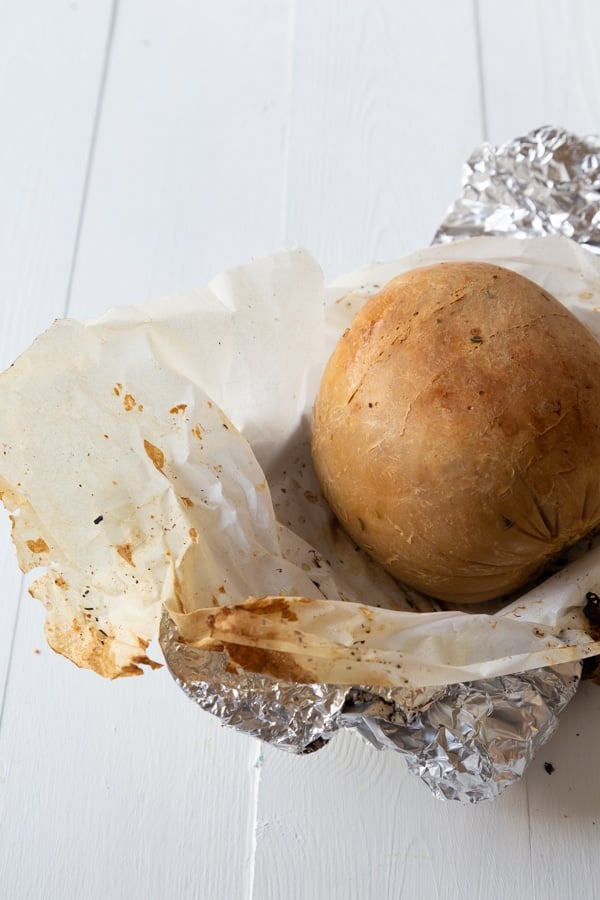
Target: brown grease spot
{"points": [[197, 432], [133, 669], [155, 454], [61, 583], [181, 407], [125, 551], [38, 546], [187, 502], [117, 389], [87, 646], [266, 662], [271, 605], [128, 402], [193, 535]]}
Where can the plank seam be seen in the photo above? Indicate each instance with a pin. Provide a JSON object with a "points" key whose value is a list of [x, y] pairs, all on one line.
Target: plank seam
{"points": [[11, 649], [531, 869], [480, 70], [92, 151], [287, 124], [256, 763]]}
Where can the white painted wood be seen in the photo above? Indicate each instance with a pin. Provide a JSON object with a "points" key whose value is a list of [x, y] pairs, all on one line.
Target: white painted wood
{"points": [[385, 107], [565, 805], [115, 789], [126, 789], [552, 78], [227, 130], [381, 121], [51, 64], [188, 172], [540, 66], [352, 816]]}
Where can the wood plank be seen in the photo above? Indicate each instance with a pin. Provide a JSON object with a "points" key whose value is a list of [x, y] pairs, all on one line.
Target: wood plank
{"points": [[553, 63], [136, 792], [115, 789], [351, 821], [51, 64], [385, 109], [382, 121], [564, 802], [540, 66], [189, 167]]}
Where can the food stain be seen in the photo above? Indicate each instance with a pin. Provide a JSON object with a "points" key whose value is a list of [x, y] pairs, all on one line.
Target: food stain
{"points": [[155, 454], [270, 606], [266, 662], [38, 546], [125, 551], [181, 407]]}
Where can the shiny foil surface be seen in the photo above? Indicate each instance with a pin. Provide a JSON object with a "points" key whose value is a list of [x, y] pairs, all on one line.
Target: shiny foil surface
{"points": [[467, 742], [477, 738], [547, 182]]}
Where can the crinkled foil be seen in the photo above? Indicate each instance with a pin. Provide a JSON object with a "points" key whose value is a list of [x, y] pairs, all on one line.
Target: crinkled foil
{"points": [[476, 739], [547, 182], [467, 742]]}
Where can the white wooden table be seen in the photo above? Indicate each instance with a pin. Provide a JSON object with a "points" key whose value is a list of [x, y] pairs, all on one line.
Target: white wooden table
{"points": [[146, 145]]}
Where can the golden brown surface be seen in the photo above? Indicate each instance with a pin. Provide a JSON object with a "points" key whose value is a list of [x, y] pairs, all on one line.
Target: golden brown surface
{"points": [[457, 429]]}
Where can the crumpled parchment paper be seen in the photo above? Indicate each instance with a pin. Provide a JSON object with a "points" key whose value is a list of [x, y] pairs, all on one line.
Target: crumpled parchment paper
{"points": [[157, 458]]}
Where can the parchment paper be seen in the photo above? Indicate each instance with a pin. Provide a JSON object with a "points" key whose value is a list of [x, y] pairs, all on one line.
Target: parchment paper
{"points": [[158, 458]]}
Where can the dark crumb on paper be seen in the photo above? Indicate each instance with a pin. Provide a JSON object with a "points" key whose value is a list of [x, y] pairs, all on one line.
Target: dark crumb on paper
{"points": [[591, 610], [37, 651], [549, 768], [98, 519]]}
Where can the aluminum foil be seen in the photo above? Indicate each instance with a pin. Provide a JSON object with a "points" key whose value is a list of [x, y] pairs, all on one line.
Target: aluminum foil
{"points": [[547, 182], [476, 739], [467, 742]]}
